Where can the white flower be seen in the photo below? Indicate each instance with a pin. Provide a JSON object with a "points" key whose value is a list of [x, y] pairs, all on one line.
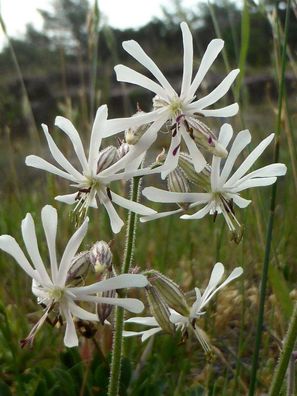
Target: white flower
{"points": [[189, 322], [50, 287], [224, 189], [91, 183], [147, 321], [184, 323], [183, 110]]}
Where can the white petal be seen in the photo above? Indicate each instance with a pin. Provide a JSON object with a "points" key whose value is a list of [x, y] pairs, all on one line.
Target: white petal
{"points": [[40, 163], [128, 75], [70, 338], [241, 141], [133, 165], [30, 240], [160, 215], [67, 198], [188, 59], [96, 137], [271, 170], [143, 320], [157, 195], [117, 125], [250, 160], [131, 205], [82, 313], [148, 333], [234, 274], [212, 51], [215, 277], [9, 245], [215, 173], [135, 50], [59, 156], [240, 202], [172, 156], [176, 318], [196, 307], [198, 159], [228, 111], [251, 183], [116, 222], [68, 128], [70, 250], [226, 133], [143, 144], [198, 215], [217, 93], [131, 304], [117, 282], [49, 219]]}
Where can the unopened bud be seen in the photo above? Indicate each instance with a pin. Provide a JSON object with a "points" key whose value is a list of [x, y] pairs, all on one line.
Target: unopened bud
{"points": [[202, 179], [159, 309], [177, 182], [169, 291], [123, 150], [79, 266], [107, 157], [104, 310], [133, 134], [101, 257], [205, 138]]}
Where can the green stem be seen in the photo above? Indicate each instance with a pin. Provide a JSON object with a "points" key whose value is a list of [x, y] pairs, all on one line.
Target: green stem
{"points": [[285, 357], [115, 371], [271, 219]]}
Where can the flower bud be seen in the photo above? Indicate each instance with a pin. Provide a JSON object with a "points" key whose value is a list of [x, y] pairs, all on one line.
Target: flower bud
{"points": [[205, 138], [169, 291], [123, 149], [100, 257], [159, 309], [202, 179], [104, 310], [177, 182], [79, 266], [107, 157], [133, 134]]}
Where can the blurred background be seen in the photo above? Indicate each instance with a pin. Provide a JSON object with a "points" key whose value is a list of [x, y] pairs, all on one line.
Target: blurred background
{"points": [[57, 58]]}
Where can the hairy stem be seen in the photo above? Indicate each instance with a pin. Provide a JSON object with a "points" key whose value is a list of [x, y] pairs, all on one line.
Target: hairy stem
{"points": [[115, 372], [265, 269], [286, 356]]}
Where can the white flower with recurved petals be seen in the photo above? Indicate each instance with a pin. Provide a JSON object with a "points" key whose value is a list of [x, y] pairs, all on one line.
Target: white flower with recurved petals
{"points": [[184, 110], [224, 188], [51, 288], [91, 184], [189, 322]]}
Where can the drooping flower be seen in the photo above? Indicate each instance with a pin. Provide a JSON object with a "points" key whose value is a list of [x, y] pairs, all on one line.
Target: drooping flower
{"points": [[184, 111], [182, 322], [92, 181], [224, 189], [51, 288]]}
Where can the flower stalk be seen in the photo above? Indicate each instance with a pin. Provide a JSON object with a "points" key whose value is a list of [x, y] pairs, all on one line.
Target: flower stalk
{"points": [[286, 356], [115, 370]]}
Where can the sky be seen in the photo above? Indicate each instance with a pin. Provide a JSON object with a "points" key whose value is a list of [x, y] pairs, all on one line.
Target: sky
{"points": [[120, 13]]}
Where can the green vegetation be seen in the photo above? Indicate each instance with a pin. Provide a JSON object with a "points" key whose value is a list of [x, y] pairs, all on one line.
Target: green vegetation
{"points": [[50, 73]]}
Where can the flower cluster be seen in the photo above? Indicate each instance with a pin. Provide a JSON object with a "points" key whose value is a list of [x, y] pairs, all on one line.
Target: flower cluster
{"points": [[200, 178]]}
